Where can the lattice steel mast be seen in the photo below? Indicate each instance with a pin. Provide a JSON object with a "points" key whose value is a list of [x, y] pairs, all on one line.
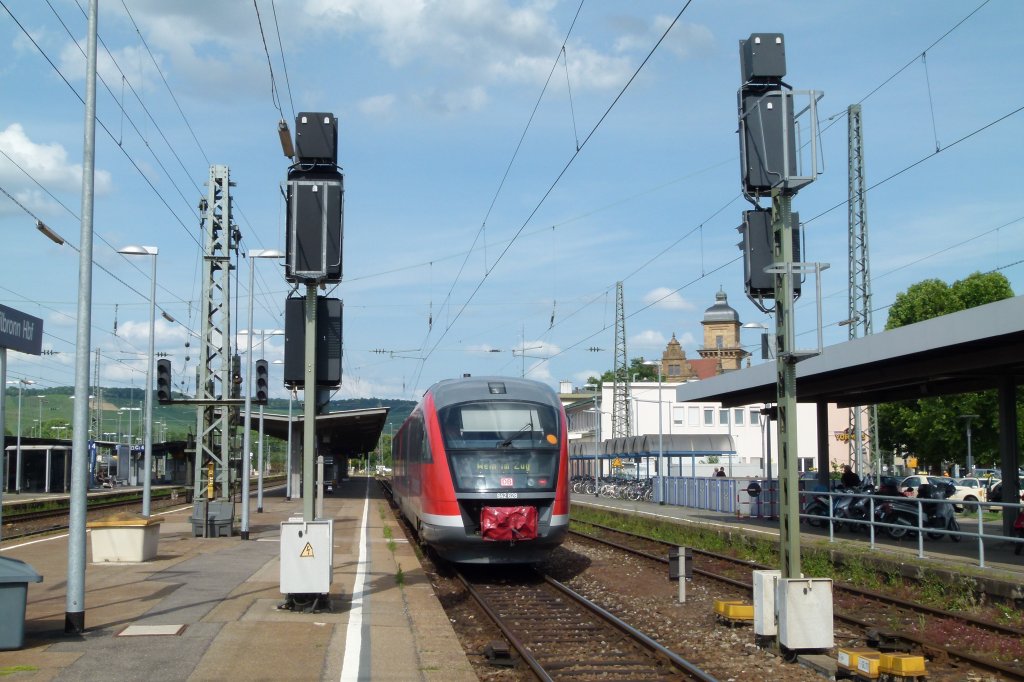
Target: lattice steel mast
{"points": [[620, 393], [859, 319], [213, 373]]}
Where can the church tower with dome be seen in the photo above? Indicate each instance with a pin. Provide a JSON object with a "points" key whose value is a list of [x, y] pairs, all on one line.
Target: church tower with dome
{"points": [[722, 335]]}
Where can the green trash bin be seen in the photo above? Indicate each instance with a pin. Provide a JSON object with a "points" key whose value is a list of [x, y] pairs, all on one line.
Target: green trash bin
{"points": [[15, 576]]}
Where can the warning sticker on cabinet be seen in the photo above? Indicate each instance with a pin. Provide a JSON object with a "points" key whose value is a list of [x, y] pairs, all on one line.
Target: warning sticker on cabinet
{"points": [[307, 552]]}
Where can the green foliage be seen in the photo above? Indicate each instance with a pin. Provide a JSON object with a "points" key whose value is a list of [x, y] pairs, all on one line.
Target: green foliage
{"points": [[637, 369], [931, 428]]}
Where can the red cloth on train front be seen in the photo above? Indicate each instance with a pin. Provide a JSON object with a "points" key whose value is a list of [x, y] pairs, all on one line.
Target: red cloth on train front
{"points": [[499, 524]]}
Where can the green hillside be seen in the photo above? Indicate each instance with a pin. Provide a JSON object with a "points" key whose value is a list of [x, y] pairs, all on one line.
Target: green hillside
{"points": [[121, 409]]}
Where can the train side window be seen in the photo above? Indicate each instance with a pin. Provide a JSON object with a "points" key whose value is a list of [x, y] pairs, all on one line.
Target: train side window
{"points": [[428, 454]]}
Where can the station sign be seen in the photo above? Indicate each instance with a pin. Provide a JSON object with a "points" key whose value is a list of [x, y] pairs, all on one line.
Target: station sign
{"points": [[20, 331]]}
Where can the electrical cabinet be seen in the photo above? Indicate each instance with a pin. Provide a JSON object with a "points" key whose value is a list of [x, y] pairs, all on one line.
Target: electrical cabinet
{"points": [[767, 159], [307, 556], [763, 57], [765, 585], [316, 138], [315, 227], [805, 613], [758, 253], [329, 313]]}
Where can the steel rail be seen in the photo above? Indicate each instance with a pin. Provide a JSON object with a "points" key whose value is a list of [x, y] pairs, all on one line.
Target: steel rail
{"points": [[1013, 673]]}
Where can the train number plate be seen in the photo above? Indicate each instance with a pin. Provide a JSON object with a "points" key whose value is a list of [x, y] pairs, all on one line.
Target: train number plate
{"points": [[507, 496], [507, 482]]}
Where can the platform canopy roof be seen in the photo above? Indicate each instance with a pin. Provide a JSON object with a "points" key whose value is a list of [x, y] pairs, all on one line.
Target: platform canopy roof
{"points": [[970, 350], [674, 444], [349, 433]]}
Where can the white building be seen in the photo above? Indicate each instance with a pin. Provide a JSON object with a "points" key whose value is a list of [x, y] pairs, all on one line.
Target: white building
{"points": [[654, 410]]}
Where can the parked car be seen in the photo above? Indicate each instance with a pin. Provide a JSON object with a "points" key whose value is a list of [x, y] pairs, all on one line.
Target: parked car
{"points": [[995, 491], [964, 491], [909, 485], [981, 485]]}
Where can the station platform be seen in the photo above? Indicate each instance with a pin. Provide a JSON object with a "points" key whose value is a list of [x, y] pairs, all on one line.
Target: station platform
{"points": [[207, 608], [1002, 567]]}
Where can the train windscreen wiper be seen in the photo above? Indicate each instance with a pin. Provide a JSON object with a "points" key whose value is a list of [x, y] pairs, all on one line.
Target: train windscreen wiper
{"points": [[528, 426]]}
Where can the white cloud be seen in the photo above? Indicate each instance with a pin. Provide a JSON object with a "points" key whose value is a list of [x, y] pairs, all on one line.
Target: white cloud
{"points": [[47, 163], [134, 63], [448, 102], [684, 40], [647, 339], [687, 340], [204, 48], [377, 106], [666, 299], [490, 39]]}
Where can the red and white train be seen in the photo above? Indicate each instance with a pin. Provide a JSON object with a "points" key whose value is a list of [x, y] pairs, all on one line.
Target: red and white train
{"points": [[481, 470]]}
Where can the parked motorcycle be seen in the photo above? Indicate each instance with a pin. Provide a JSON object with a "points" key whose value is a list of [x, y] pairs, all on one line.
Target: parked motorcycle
{"points": [[842, 502], [854, 509], [938, 514], [816, 510]]}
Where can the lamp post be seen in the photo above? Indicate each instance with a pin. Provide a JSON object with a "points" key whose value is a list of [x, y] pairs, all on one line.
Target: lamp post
{"points": [[766, 351], [131, 431], [659, 495], [597, 439], [259, 459], [40, 414], [246, 455], [970, 458], [147, 460], [288, 454], [22, 383]]}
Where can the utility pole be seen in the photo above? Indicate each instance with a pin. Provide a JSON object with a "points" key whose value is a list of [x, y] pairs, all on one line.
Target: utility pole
{"points": [[620, 388], [771, 167], [213, 374], [859, 319]]}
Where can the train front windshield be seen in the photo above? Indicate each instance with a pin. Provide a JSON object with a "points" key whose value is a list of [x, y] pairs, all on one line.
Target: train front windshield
{"points": [[502, 446]]}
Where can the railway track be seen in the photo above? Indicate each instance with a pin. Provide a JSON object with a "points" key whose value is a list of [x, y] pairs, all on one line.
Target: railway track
{"points": [[932, 630], [24, 524], [562, 636]]}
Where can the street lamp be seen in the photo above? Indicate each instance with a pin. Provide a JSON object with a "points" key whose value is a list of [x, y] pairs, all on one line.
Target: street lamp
{"points": [[766, 350], [659, 495], [40, 414], [970, 459], [597, 438], [288, 454], [147, 464], [131, 431], [246, 455], [22, 383]]}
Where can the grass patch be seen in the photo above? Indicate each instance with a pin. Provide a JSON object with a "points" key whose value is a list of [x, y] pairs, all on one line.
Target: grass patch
{"points": [[389, 534], [11, 669], [855, 567], [400, 577]]}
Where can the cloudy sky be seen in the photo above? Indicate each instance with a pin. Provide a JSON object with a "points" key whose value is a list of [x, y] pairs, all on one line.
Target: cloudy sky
{"points": [[506, 163]]}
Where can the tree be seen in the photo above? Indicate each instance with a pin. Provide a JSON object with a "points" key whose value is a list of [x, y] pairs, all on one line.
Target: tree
{"points": [[931, 428], [637, 369]]}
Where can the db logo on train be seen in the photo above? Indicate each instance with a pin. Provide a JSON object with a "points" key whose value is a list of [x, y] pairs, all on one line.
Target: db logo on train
{"points": [[507, 482]]}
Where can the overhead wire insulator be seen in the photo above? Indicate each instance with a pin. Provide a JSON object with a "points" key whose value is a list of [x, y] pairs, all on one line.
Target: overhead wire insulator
{"points": [[286, 139]]}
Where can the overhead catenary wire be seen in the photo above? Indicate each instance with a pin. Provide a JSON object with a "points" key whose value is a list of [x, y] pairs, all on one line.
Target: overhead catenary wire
{"points": [[156, 64], [508, 168], [284, 64], [102, 125], [558, 178]]}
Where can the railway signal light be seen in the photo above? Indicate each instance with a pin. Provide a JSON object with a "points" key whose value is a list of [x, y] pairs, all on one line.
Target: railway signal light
{"points": [[261, 382], [163, 381]]}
